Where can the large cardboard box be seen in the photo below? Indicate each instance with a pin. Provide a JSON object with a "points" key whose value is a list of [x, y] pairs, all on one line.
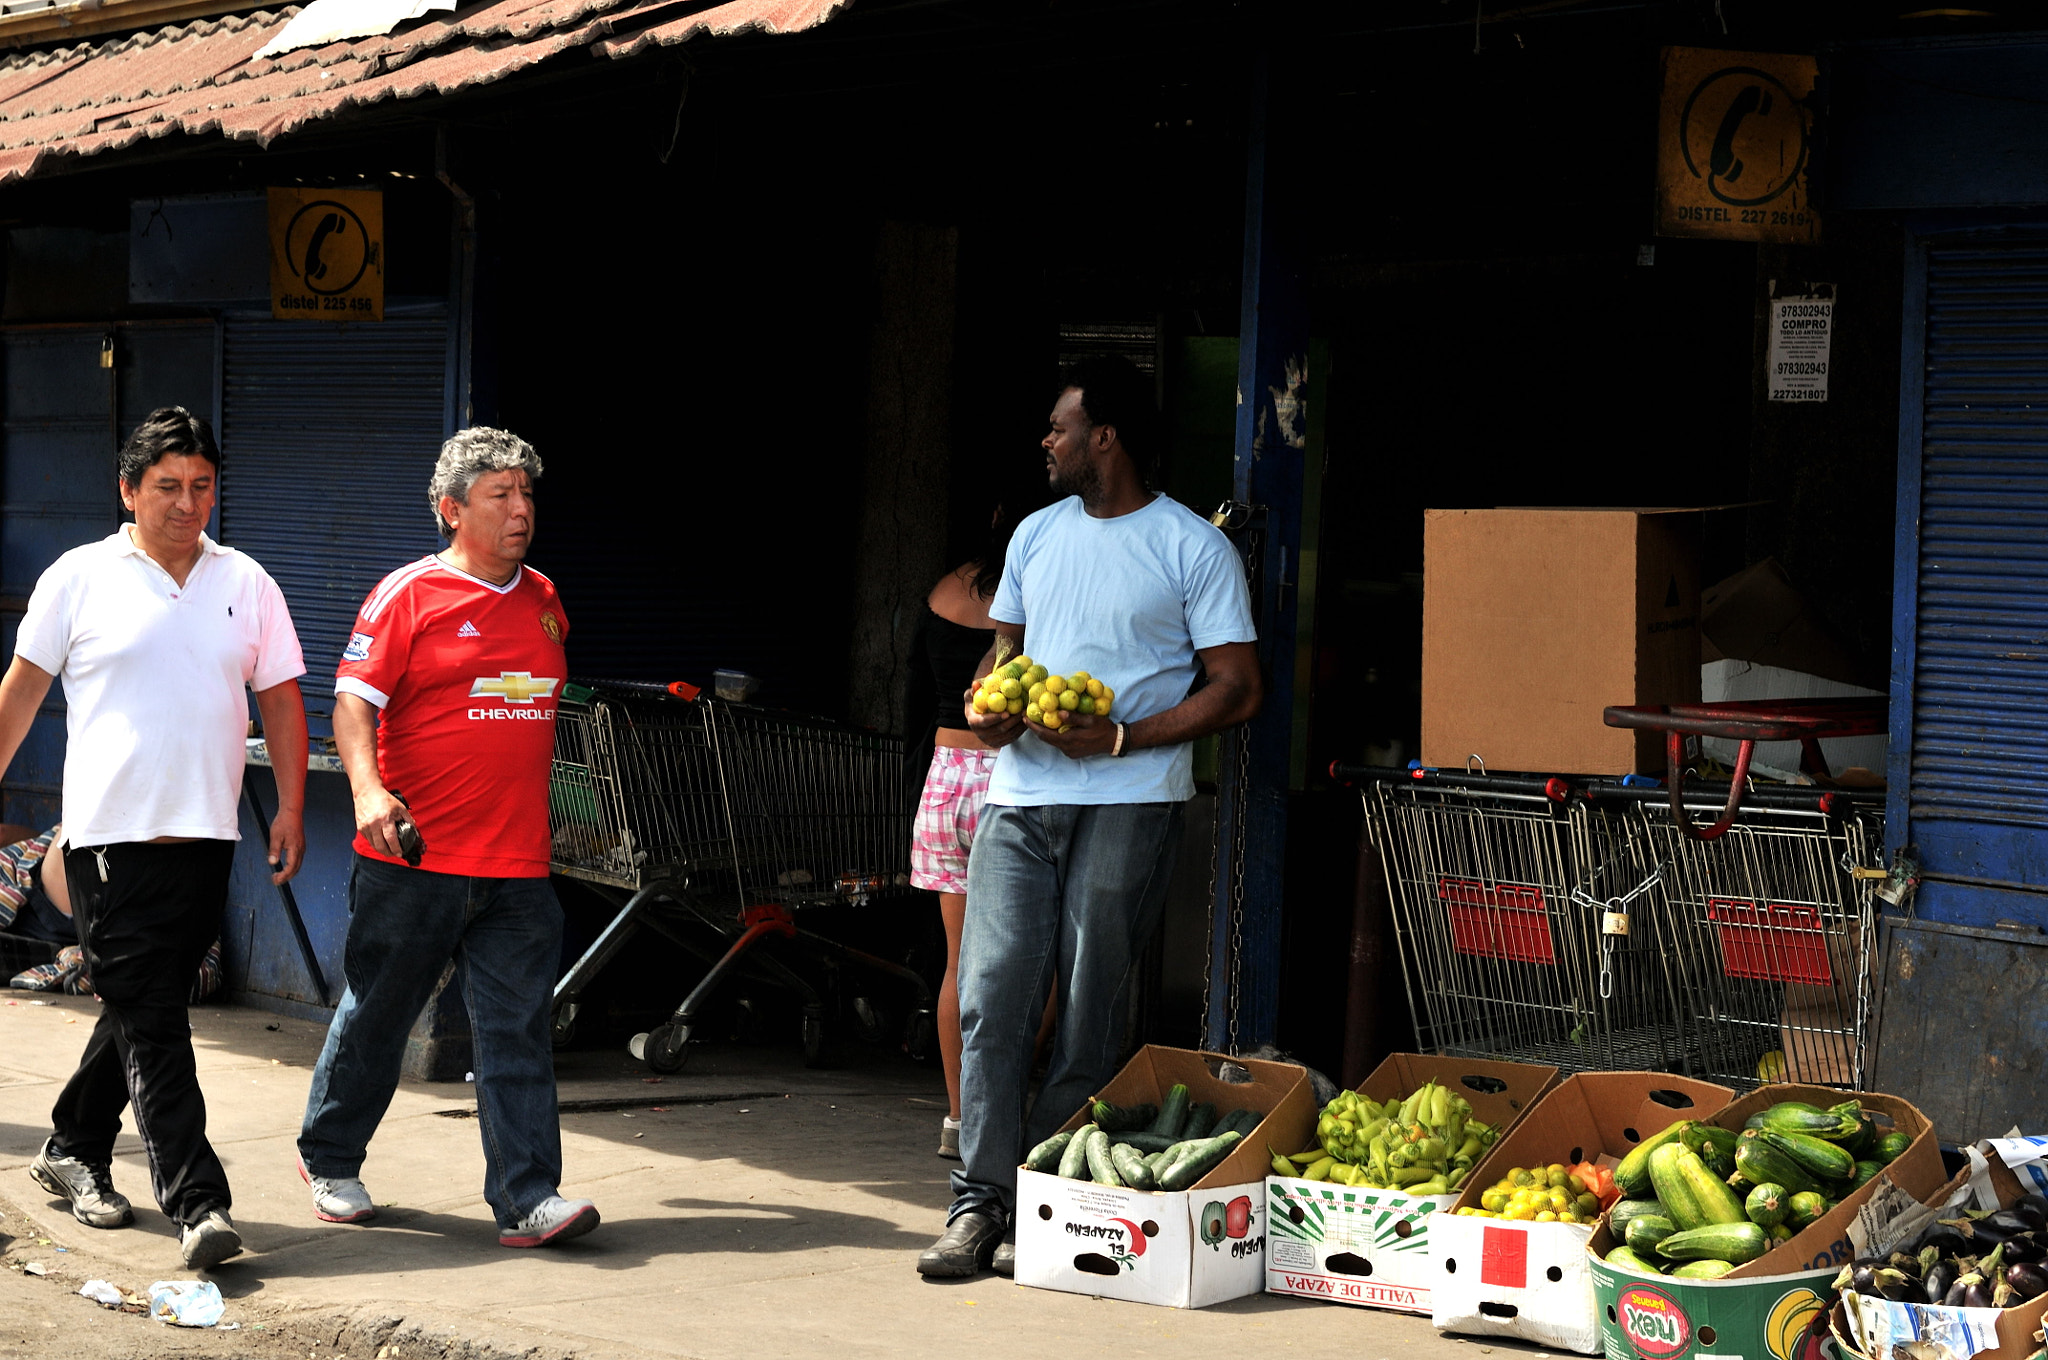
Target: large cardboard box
{"points": [[1760, 1310], [1350, 1244], [1156, 1246], [1533, 621], [1532, 1280]]}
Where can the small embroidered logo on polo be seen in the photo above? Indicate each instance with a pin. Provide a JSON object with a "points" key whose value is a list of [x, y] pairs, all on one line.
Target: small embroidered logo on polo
{"points": [[467, 629]]}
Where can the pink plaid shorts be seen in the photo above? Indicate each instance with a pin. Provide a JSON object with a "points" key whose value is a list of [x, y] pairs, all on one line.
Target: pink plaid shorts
{"points": [[954, 788]]}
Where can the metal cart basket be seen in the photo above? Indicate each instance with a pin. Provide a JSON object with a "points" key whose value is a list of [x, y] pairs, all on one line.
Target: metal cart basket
{"points": [[690, 810]]}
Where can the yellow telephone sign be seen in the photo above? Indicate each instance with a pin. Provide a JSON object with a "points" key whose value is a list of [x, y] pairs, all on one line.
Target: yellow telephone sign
{"points": [[1735, 146], [327, 254]]}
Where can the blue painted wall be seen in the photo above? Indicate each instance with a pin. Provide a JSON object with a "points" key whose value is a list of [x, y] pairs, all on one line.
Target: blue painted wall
{"points": [[263, 961]]}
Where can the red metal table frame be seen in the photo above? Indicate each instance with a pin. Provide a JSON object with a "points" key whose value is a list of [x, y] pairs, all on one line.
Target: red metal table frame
{"points": [[1749, 721]]}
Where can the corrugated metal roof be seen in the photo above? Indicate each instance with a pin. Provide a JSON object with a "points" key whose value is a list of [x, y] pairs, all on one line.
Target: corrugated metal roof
{"points": [[204, 78]]}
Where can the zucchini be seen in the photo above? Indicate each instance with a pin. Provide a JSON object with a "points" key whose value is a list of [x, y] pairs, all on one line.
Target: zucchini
{"points": [[1693, 1198], [1100, 1168], [1142, 1141], [1633, 1175], [1822, 1160], [1796, 1116], [1864, 1171], [1766, 1164], [1864, 1139], [1702, 1270], [1627, 1258], [1891, 1147], [1645, 1231], [1130, 1164], [1197, 1161], [1119, 1118], [1240, 1121], [1173, 1112], [1805, 1209], [1766, 1205], [1734, 1242], [1699, 1137], [1046, 1156], [1074, 1160], [1619, 1217], [1201, 1121]]}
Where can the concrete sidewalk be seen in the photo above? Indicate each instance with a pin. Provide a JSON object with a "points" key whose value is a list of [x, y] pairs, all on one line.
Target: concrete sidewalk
{"points": [[751, 1207]]}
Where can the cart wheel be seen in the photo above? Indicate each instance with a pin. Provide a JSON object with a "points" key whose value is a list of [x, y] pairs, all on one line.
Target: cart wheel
{"points": [[918, 1033], [868, 1020], [562, 1031], [814, 1040], [668, 1048]]}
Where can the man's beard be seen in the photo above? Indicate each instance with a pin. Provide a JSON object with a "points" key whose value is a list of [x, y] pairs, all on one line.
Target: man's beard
{"points": [[1084, 480]]}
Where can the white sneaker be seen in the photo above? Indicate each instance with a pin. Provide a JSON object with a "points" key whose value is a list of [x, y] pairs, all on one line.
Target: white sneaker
{"points": [[554, 1220], [338, 1199], [210, 1241]]}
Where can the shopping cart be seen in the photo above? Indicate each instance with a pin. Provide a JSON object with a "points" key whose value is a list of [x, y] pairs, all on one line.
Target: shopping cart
{"points": [[689, 812], [1771, 932], [1502, 889]]}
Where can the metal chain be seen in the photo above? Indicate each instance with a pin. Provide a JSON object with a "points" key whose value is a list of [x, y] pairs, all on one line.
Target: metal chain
{"points": [[1613, 904], [1253, 545]]}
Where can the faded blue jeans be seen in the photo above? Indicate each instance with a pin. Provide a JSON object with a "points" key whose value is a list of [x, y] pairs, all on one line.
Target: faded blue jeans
{"points": [[1065, 898], [505, 936]]}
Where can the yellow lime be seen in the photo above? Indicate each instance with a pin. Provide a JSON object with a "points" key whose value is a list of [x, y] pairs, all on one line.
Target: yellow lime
{"points": [[1034, 674], [1016, 705], [1102, 707], [1052, 717], [1012, 671], [1070, 699], [1026, 662], [1012, 687], [1078, 679], [980, 702], [1036, 689], [1087, 705], [1096, 688], [1055, 683], [1031, 713]]}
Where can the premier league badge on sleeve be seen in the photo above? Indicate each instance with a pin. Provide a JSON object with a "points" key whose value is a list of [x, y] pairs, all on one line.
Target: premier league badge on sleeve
{"points": [[358, 648]]}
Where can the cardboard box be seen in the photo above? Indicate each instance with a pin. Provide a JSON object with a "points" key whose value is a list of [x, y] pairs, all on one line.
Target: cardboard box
{"points": [[1156, 1246], [1760, 1309], [1350, 1244], [1533, 621], [2016, 1325], [1532, 1280]]}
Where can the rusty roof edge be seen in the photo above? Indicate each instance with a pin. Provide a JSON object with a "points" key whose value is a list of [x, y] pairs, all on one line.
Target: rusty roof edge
{"points": [[666, 27], [67, 22]]}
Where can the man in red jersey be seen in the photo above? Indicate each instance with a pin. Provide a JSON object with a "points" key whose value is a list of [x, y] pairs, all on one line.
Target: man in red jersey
{"points": [[460, 656]]}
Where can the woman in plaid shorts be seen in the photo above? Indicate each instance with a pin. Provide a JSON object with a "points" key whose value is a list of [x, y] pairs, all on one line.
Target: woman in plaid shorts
{"points": [[952, 638]]}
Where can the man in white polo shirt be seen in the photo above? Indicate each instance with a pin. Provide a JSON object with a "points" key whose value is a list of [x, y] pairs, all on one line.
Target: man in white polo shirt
{"points": [[157, 631]]}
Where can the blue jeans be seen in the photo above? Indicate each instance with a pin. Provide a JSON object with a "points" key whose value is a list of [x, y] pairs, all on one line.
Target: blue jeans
{"points": [[1064, 898], [505, 936]]}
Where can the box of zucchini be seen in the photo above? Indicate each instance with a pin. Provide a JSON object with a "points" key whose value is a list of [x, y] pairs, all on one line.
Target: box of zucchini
{"points": [[1163, 1205], [1349, 1214], [1733, 1228], [1525, 1272]]}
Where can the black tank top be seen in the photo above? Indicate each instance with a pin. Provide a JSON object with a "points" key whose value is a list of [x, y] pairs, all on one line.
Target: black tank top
{"points": [[954, 652]]}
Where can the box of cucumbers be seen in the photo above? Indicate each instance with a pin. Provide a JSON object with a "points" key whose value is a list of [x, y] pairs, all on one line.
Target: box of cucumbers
{"points": [[1153, 1191], [1732, 1227], [1349, 1213]]}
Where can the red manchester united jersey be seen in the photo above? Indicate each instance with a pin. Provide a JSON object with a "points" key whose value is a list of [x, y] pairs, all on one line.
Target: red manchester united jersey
{"points": [[467, 674]]}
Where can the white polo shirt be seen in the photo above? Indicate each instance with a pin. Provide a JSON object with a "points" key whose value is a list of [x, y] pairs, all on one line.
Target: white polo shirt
{"points": [[154, 675]]}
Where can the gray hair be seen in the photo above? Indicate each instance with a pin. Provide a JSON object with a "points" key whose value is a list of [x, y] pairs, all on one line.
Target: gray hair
{"points": [[468, 455]]}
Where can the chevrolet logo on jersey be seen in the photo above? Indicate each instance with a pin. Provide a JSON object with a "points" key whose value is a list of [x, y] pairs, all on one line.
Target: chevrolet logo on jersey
{"points": [[514, 687]]}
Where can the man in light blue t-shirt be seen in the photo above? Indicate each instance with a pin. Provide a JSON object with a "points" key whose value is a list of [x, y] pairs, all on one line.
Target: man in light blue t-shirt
{"points": [[1077, 841]]}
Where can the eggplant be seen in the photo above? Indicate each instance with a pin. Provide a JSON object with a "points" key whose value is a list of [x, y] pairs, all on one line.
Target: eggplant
{"points": [[1935, 1288], [2036, 1218], [1980, 1231], [1959, 1291], [2028, 1281], [2013, 1221], [2035, 1201], [2028, 1246], [1977, 1294], [1897, 1286], [1860, 1278], [1949, 1242], [1906, 1264]]}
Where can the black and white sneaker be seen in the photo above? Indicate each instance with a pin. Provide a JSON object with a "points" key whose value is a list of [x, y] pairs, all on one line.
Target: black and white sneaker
{"points": [[210, 1241], [88, 1189]]}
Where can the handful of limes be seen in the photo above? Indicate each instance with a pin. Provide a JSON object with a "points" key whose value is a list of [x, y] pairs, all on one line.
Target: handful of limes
{"points": [[1023, 686]]}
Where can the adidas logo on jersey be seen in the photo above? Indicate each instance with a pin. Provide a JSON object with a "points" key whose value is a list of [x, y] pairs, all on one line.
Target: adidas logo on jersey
{"points": [[467, 629]]}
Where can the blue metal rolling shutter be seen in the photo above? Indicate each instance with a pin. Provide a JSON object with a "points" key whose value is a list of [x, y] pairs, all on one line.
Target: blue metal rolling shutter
{"points": [[1978, 789], [328, 436]]}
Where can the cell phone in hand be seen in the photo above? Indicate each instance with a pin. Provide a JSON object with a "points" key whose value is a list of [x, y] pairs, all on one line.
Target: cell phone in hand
{"points": [[412, 846]]}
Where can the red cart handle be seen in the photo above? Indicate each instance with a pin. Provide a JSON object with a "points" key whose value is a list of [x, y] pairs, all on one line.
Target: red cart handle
{"points": [[1674, 759]]}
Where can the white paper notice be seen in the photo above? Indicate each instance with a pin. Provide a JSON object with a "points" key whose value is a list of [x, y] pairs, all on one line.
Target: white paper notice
{"points": [[1801, 329]]}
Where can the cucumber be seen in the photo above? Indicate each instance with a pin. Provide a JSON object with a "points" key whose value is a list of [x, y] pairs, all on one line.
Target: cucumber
{"points": [[1625, 1210], [1142, 1141], [1118, 1118], [1819, 1158], [1074, 1160], [1240, 1121], [1130, 1164], [1766, 1205], [1173, 1113], [1628, 1259], [1702, 1270], [1201, 1121], [1693, 1198], [1733, 1242], [1633, 1175], [1197, 1162], [1046, 1156], [1645, 1231], [1766, 1164], [1796, 1116], [1100, 1168]]}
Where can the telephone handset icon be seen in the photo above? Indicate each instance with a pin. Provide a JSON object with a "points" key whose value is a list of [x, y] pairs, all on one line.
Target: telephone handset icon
{"points": [[316, 268], [1723, 164]]}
